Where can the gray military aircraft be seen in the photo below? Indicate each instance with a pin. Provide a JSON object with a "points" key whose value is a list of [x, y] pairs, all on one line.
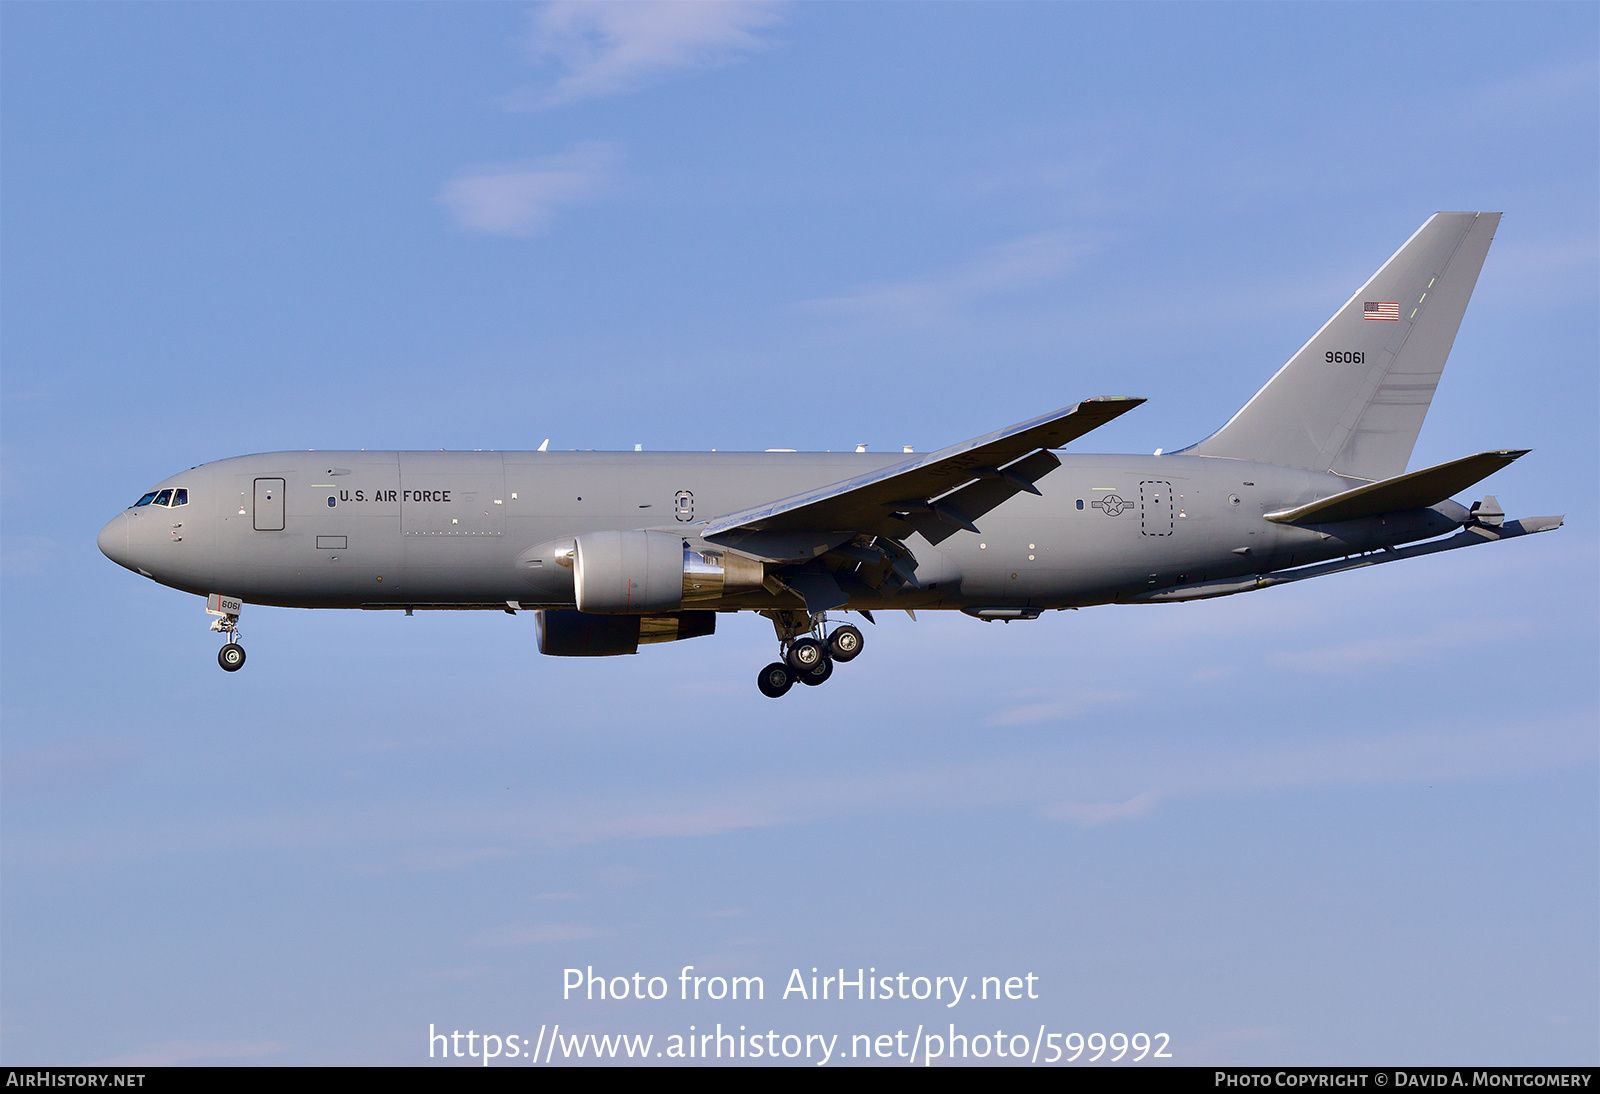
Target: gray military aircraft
{"points": [[614, 550]]}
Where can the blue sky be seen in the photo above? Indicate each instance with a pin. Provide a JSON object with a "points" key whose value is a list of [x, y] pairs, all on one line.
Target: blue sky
{"points": [[1347, 821]]}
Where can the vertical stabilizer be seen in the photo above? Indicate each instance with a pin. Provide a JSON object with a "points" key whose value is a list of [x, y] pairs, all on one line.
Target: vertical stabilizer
{"points": [[1353, 399]]}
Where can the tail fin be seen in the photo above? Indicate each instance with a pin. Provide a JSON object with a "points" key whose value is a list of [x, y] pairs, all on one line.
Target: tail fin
{"points": [[1353, 399]]}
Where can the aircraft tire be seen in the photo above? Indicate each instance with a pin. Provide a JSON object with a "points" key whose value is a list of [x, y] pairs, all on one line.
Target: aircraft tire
{"points": [[845, 643], [806, 654], [818, 675], [775, 680], [231, 657]]}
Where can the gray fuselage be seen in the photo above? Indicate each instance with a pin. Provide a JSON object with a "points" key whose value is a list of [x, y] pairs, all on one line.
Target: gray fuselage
{"points": [[471, 529]]}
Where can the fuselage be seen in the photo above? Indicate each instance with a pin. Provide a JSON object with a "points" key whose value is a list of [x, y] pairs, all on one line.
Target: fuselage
{"points": [[475, 529]]}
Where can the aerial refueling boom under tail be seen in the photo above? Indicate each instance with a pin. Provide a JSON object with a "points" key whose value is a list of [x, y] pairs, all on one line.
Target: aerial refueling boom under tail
{"points": [[615, 550]]}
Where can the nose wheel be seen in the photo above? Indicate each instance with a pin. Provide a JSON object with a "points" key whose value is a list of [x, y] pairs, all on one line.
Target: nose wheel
{"points": [[230, 656], [809, 651]]}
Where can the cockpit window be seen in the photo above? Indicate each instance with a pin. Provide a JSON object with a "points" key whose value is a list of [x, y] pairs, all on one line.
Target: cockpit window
{"points": [[170, 498]]}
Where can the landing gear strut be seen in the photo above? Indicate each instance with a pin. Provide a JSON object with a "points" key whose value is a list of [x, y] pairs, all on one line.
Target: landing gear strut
{"points": [[808, 651], [230, 656]]}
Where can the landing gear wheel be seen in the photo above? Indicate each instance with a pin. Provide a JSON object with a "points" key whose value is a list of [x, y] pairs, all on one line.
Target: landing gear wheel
{"points": [[231, 657], [845, 643], [775, 680], [819, 674], [806, 654]]}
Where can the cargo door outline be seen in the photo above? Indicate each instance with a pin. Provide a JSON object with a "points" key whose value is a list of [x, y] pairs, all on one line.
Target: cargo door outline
{"points": [[1155, 508], [267, 514]]}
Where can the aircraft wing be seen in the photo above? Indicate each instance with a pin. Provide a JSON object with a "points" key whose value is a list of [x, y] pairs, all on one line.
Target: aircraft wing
{"points": [[927, 489], [1416, 490]]}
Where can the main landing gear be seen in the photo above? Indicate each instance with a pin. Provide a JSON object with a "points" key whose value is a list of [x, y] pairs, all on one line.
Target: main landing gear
{"points": [[808, 649]]}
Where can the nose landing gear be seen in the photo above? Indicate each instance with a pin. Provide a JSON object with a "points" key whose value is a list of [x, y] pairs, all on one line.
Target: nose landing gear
{"points": [[226, 610], [808, 651]]}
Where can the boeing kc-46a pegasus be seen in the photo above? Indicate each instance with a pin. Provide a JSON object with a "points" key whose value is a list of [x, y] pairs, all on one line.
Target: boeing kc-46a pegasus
{"points": [[614, 550]]}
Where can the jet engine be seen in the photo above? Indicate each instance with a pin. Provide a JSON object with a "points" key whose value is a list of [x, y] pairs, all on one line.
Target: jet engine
{"points": [[564, 633], [642, 572]]}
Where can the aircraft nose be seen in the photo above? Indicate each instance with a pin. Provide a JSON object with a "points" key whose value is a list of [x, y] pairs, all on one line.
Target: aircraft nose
{"points": [[113, 541]]}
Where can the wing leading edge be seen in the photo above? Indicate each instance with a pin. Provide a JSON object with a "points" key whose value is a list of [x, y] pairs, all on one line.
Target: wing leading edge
{"points": [[937, 493]]}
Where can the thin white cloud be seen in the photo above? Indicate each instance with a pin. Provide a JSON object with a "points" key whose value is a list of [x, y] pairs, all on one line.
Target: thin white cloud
{"points": [[522, 935], [455, 860], [611, 48], [1023, 263], [30, 555], [174, 1053], [1364, 654], [710, 820], [1093, 814], [1074, 782], [521, 199], [79, 764], [1538, 92], [473, 972], [1059, 709]]}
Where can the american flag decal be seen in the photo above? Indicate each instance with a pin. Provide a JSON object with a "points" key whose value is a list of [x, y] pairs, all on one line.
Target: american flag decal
{"points": [[1386, 309]]}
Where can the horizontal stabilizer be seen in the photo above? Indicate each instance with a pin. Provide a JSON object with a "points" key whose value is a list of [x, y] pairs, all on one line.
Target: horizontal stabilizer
{"points": [[1416, 490], [1467, 537]]}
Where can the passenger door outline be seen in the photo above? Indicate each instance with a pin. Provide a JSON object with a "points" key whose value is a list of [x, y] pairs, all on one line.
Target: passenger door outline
{"points": [[1155, 508], [267, 515]]}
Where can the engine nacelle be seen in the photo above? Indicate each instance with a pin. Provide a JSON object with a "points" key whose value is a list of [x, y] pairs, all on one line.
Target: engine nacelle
{"points": [[628, 573], [642, 572], [564, 633]]}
